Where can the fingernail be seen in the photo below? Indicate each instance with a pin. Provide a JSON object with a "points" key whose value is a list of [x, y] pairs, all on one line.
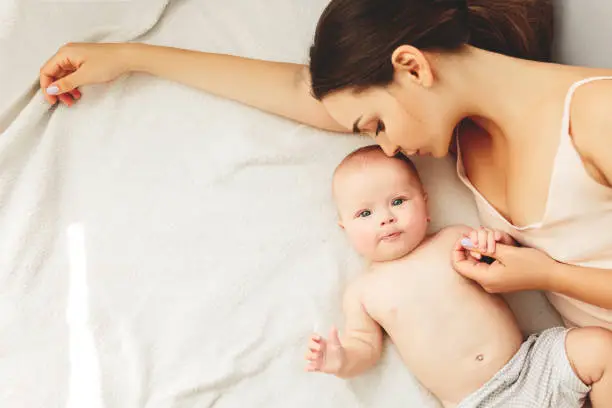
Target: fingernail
{"points": [[52, 90], [467, 243]]}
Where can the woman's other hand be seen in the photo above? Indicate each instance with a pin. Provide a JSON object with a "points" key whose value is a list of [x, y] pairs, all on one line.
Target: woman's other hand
{"points": [[78, 64]]}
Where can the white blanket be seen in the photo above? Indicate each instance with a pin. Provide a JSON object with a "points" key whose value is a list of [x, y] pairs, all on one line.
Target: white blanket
{"points": [[211, 245]]}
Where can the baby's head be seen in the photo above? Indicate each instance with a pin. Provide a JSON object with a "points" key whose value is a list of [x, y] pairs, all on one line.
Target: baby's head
{"points": [[381, 203]]}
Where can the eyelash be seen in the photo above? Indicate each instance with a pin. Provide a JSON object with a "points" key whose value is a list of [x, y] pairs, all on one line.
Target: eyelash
{"points": [[360, 214], [380, 127]]}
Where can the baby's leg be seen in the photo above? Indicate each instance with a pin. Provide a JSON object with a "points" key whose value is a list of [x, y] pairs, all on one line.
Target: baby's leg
{"points": [[589, 350]]}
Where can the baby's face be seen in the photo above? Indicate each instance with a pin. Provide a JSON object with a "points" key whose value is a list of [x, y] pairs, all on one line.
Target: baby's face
{"points": [[382, 208]]}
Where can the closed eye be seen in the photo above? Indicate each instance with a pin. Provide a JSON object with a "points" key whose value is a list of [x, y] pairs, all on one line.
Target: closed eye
{"points": [[380, 127]]}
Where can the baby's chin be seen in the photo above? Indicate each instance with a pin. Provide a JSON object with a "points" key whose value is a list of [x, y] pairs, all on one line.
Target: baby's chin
{"points": [[389, 257], [391, 253]]}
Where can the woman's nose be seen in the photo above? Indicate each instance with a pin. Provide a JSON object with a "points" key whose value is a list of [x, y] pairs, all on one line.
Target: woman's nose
{"points": [[388, 148]]}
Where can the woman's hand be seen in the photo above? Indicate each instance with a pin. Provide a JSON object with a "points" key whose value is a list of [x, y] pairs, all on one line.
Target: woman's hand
{"points": [[80, 64], [514, 269]]}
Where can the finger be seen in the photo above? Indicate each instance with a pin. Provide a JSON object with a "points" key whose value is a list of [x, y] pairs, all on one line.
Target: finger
{"points": [[68, 82], [471, 251], [76, 94], [67, 65], [467, 243], [311, 368], [315, 337], [45, 81], [311, 364], [475, 255], [66, 99], [474, 237], [498, 235], [462, 260], [310, 356], [313, 346], [334, 336], [491, 243], [472, 269], [51, 68], [310, 353], [482, 239], [504, 253], [458, 254]]}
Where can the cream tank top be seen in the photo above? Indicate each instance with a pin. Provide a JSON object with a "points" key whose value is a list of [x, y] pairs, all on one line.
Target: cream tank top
{"points": [[576, 227]]}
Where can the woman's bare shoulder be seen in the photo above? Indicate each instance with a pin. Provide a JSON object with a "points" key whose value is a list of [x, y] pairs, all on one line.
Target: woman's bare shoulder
{"points": [[591, 127]]}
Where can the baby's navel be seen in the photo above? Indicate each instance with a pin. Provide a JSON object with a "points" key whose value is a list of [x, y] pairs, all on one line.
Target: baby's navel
{"points": [[480, 357]]}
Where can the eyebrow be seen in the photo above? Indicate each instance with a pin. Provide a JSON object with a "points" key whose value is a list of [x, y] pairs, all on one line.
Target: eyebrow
{"points": [[356, 125]]}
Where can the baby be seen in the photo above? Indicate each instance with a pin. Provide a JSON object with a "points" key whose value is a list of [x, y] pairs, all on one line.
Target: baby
{"points": [[462, 343]]}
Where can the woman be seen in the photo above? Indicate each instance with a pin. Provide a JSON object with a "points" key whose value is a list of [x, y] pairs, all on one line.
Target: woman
{"points": [[533, 138]]}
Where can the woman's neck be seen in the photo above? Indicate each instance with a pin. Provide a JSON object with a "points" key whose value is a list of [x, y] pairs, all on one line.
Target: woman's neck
{"points": [[495, 91]]}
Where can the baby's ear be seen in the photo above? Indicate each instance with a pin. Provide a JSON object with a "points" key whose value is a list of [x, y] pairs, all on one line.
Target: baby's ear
{"points": [[425, 196]]}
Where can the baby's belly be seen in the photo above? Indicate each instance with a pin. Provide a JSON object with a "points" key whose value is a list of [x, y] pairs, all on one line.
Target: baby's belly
{"points": [[455, 340]]}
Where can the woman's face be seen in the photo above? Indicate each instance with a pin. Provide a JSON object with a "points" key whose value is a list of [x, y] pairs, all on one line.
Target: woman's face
{"points": [[399, 119]]}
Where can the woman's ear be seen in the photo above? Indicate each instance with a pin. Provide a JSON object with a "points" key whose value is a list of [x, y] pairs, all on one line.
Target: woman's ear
{"points": [[411, 64]]}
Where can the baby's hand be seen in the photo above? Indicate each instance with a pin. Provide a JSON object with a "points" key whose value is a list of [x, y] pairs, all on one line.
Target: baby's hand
{"points": [[483, 240], [326, 356]]}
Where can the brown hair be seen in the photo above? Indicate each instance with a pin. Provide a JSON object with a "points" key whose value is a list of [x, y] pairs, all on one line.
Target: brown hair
{"points": [[355, 39]]}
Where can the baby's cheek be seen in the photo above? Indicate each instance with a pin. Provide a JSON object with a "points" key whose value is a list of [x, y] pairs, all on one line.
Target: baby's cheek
{"points": [[417, 218], [362, 241]]}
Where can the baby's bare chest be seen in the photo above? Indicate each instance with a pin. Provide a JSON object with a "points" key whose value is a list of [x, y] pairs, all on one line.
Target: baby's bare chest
{"points": [[420, 285]]}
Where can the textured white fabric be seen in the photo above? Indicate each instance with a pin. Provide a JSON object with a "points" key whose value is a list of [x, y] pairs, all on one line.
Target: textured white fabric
{"points": [[212, 249]]}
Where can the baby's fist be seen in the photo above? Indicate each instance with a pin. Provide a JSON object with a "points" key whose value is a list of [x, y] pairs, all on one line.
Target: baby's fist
{"points": [[482, 241]]}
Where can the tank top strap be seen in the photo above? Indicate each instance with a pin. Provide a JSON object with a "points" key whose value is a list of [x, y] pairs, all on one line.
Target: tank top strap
{"points": [[565, 125], [569, 178]]}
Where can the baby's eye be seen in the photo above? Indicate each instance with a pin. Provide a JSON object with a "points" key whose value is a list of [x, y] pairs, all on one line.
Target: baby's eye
{"points": [[398, 201], [380, 127], [364, 214]]}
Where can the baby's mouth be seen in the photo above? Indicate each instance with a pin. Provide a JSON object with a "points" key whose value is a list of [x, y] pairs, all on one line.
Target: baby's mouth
{"points": [[391, 236]]}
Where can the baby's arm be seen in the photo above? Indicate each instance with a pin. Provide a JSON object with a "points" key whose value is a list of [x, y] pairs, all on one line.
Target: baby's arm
{"points": [[357, 350]]}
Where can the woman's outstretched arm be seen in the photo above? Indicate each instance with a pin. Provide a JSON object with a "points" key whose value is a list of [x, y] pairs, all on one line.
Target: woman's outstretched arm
{"points": [[279, 88]]}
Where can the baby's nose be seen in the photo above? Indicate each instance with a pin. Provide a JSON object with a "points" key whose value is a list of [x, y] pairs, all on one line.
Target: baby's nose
{"points": [[388, 220]]}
